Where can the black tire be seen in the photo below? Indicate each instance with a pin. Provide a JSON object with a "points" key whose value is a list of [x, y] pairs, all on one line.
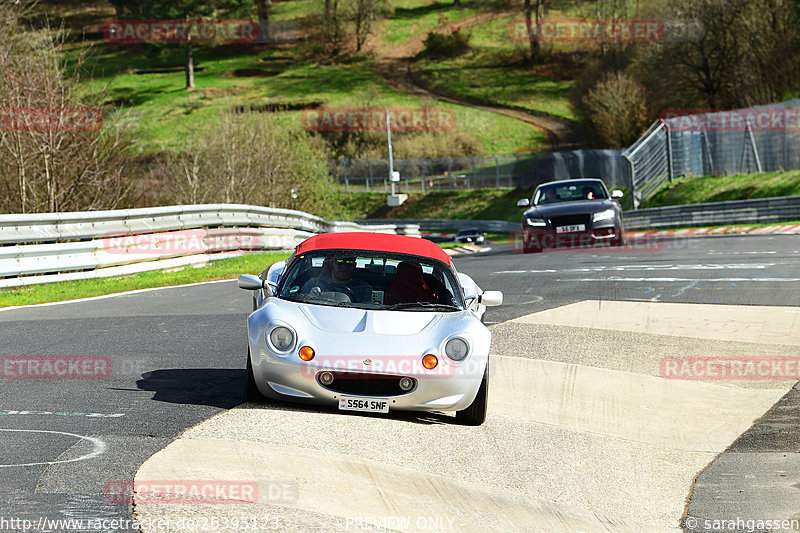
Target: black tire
{"points": [[475, 414], [251, 392], [528, 248]]}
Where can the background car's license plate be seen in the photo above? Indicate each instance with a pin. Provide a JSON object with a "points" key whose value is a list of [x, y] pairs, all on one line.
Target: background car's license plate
{"points": [[567, 229], [370, 405]]}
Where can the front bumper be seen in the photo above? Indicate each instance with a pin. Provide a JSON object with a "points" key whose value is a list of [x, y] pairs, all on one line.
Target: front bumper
{"points": [[548, 238], [447, 387]]}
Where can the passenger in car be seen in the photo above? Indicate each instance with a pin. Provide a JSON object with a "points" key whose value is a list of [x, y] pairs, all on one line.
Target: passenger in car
{"points": [[408, 286]]}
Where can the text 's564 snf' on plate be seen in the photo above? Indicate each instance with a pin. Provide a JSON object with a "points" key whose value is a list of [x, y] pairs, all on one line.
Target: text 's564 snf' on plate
{"points": [[369, 405]]}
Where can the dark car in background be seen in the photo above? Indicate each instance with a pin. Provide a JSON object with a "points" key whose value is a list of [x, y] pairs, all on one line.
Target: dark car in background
{"points": [[470, 236], [572, 213]]}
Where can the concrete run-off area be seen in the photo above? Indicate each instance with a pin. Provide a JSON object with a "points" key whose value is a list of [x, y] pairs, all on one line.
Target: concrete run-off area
{"points": [[583, 434]]}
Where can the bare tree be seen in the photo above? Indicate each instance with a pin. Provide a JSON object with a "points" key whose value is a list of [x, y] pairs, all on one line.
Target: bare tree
{"points": [[363, 13], [263, 8], [534, 15], [332, 27], [250, 158], [55, 152], [746, 55]]}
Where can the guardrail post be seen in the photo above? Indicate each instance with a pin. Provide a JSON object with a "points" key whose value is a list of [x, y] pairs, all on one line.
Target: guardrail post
{"points": [[450, 172], [369, 178], [474, 176], [634, 201], [669, 150], [749, 132], [785, 164], [496, 171], [707, 147], [424, 177]]}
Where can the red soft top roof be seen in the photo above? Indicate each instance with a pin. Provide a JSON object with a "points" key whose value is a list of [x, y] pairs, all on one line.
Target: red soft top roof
{"points": [[381, 242]]}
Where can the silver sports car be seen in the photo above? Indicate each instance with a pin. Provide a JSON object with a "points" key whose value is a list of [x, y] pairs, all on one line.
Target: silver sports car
{"points": [[370, 322]]}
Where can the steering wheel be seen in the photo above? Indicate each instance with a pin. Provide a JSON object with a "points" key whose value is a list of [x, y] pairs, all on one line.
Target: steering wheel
{"points": [[344, 289]]}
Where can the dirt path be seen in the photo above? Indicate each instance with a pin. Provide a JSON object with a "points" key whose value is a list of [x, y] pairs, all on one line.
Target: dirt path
{"points": [[396, 67]]}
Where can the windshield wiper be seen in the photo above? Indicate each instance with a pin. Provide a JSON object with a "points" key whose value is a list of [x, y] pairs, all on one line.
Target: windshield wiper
{"points": [[426, 305]]}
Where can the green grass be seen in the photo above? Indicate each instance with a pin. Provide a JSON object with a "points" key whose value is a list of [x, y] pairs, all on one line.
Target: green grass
{"points": [[167, 116], [721, 188], [70, 290], [412, 17], [493, 73], [475, 204]]}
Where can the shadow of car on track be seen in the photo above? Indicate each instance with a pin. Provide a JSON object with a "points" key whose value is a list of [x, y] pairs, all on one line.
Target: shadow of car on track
{"points": [[223, 388], [216, 387]]}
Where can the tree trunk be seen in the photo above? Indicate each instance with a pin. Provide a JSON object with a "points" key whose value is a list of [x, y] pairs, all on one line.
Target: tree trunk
{"points": [[533, 31], [189, 68], [262, 8]]}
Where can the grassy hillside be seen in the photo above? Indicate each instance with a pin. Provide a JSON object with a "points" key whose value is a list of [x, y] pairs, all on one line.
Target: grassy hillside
{"points": [[148, 81], [722, 188], [494, 72]]}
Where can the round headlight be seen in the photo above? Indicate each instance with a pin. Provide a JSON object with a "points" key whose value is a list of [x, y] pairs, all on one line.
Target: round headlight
{"points": [[456, 349], [281, 338]]}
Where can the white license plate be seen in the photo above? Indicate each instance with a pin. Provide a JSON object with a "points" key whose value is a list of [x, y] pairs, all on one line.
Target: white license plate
{"points": [[569, 229], [368, 405]]}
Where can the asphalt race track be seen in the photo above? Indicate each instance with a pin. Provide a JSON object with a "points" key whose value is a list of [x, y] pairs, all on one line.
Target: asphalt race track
{"points": [[583, 431]]}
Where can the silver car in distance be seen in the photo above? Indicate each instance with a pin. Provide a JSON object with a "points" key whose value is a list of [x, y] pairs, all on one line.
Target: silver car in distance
{"points": [[370, 322]]}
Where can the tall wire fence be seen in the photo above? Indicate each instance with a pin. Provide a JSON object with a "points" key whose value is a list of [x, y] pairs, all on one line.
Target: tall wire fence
{"points": [[741, 141], [758, 139], [472, 172]]}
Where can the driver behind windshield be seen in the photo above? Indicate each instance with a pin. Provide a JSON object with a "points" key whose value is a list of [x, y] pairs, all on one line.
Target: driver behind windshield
{"points": [[337, 275], [551, 195]]}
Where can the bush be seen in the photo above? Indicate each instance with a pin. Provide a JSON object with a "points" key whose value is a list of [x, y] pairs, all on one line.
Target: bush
{"points": [[414, 144], [253, 159], [439, 45], [617, 108]]}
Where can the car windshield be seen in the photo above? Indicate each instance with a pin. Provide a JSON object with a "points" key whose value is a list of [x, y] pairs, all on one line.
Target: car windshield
{"points": [[371, 280], [569, 192], [467, 232]]}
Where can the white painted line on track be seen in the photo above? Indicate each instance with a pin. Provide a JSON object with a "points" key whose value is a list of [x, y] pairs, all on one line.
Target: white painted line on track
{"points": [[99, 447], [114, 295], [681, 280], [625, 268]]}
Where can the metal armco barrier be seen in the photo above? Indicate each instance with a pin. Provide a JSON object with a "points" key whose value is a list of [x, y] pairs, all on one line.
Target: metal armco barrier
{"points": [[760, 210], [43, 248], [494, 226]]}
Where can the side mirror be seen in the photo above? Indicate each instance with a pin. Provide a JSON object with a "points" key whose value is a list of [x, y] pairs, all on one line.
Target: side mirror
{"points": [[250, 282], [616, 193], [491, 298], [525, 202]]}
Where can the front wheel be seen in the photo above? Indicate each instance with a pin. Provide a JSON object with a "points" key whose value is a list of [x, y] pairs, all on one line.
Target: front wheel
{"points": [[530, 244], [619, 240], [251, 392], [475, 414]]}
